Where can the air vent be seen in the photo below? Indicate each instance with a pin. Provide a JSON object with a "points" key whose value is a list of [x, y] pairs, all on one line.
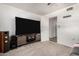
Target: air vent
{"points": [[69, 9], [67, 16]]}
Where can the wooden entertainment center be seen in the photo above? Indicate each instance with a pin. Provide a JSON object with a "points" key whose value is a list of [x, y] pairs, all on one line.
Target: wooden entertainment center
{"points": [[16, 40], [20, 40]]}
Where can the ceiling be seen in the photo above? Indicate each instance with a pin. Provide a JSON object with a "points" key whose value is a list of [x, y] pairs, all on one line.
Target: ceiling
{"points": [[40, 8]]}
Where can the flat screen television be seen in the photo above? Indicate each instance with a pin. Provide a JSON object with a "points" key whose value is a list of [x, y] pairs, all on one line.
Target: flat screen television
{"points": [[26, 26]]}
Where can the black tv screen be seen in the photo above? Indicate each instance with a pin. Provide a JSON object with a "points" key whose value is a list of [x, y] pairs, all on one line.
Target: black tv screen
{"points": [[26, 26]]}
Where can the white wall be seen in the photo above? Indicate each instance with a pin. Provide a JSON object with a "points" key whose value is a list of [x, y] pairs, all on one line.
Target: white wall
{"points": [[52, 27], [7, 17], [44, 28], [67, 28]]}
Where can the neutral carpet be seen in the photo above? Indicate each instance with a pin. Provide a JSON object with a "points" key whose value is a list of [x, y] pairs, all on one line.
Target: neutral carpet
{"points": [[47, 48]]}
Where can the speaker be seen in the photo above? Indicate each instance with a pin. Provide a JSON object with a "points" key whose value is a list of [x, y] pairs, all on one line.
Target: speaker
{"points": [[13, 42], [4, 41]]}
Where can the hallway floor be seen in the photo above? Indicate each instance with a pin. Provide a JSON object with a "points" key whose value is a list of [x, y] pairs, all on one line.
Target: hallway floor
{"points": [[54, 39]]}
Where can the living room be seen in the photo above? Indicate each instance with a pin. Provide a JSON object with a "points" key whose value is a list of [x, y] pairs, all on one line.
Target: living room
{"points": [[40, 14]]}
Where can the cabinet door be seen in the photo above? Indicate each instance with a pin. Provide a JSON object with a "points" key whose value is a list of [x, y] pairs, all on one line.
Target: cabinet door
{"points": [[1, 49]]}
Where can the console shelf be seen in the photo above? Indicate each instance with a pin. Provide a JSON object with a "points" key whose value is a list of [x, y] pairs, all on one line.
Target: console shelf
{"points": [[20, 40]]}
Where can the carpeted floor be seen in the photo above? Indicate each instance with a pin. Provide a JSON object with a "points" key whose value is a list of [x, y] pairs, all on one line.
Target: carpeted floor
{"points": [[47, 48]]}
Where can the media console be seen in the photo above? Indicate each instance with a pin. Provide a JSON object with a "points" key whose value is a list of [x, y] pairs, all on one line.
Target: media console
{"points": [[20, 40]]}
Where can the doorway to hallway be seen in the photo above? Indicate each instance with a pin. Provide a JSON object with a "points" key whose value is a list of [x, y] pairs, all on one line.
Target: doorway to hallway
{"points": [[53, 29]]}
